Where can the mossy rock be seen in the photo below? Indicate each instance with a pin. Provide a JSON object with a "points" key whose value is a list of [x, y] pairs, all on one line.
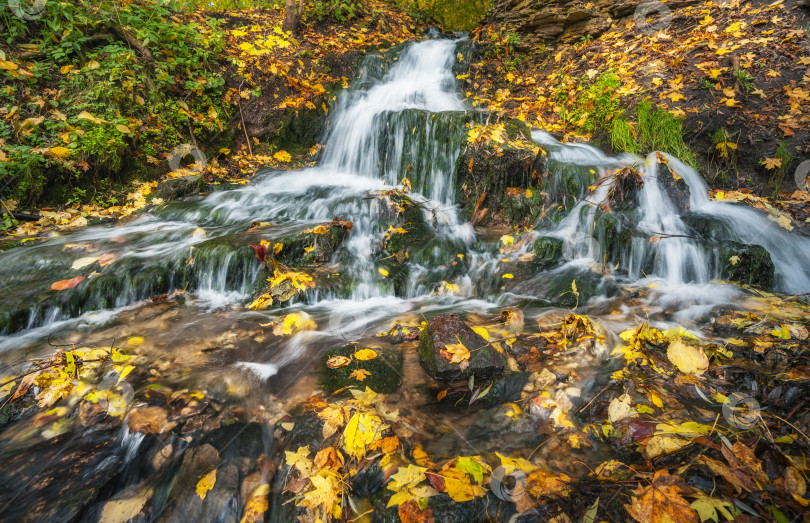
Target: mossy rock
{"points": [[385, 370], [548, 250], [501, 174], [181, 187], [747, 264], [673, 186], [448, 329], [318, 245]]}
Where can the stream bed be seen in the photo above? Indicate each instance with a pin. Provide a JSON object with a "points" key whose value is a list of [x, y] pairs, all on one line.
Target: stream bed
{"points": [[175, 290]]}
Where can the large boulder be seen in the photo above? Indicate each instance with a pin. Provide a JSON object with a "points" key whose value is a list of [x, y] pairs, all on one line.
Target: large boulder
{"points": [[443, 335], [747, 264], [180, 187]]}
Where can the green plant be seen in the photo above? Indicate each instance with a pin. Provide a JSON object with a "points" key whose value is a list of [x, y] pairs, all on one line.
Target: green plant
{"points": [[785, 162], [725, 143], [340, 10], [745, 79], [623, 136], [662, 131]]}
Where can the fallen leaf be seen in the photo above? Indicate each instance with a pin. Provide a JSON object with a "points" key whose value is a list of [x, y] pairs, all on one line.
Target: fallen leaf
{"points": [[206, 483], [67, 284], [365, 354], [687, 358]]}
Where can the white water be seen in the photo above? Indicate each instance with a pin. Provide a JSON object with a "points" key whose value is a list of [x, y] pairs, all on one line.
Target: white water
{"points": [[682, 266]]}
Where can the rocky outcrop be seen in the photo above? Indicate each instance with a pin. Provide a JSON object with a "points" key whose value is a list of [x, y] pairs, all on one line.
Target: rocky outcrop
{"points": [[748, 264], [448, 338], [181, 187], [492, 178], [380, 369], [565, 21]]}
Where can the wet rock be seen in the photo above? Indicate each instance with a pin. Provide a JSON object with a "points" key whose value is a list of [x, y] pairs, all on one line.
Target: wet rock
{"points": [[384, 370], [624, 194], [673, 186], [747, 264], [501, 389], [313, 246], [449, 329], [175, 188], [59, 478], [566, 21], [548, 250], [149, 420], [491, 178]]}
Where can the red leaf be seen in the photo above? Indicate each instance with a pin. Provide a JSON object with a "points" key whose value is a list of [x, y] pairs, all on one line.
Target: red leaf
{"points": [[260, 250], [435, 480], [67, 284]]}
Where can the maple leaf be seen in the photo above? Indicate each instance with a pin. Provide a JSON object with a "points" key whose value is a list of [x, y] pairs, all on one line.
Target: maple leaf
{"points": [[260, 250], [456, 353], [282, 156], [360, 374], [662, 501], [772, 163]]}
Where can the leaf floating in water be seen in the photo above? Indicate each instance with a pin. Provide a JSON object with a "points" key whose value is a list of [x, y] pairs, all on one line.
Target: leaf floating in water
{"points": [[135, 340], [62, 285], [206, 483], [508, 276], [383, 272], [84, 262]]}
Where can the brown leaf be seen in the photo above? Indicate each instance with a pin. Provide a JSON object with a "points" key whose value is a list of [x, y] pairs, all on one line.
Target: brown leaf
{"points": [[662, 502], [409, 512], [25, 384]]}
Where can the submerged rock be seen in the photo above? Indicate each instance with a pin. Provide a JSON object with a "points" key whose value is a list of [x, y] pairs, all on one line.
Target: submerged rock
{"points": [[748, 264], [181, 187], [313, 246], [345, 366], [444, 334]]}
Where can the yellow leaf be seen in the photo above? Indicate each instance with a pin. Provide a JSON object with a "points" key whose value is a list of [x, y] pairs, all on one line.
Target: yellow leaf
{"points": [[135, 340], [121, 128], [665, 444], [360, 374], [365, 354], [93, 65], [772, 163], [212, 113], [282, 156], [688, 359], [206, 483], [456, 352], [481, 331], [84, 115], [84, 262], [257, 505], [8, 66], [362, 429], [507, 276], [65, 69], [300, 460], [383, 272], [61, 152]]}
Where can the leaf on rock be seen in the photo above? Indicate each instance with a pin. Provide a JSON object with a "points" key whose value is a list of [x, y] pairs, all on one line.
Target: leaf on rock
{"points": [[360, 374], [206, 483], [365, 354], [335, 362], [63, 285]]}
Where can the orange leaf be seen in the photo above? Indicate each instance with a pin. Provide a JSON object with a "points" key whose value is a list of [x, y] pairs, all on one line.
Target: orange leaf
{"points": [[67, 284]]}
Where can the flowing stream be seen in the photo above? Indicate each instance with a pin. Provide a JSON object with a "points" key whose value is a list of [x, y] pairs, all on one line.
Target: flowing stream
{"points": [[402, 118]]}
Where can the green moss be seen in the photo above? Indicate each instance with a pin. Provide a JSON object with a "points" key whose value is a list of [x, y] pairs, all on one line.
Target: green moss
{"points": [[385, 371]]}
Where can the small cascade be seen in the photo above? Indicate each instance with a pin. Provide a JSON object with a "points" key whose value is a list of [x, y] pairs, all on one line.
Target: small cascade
{"points": [[669, 230]]}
